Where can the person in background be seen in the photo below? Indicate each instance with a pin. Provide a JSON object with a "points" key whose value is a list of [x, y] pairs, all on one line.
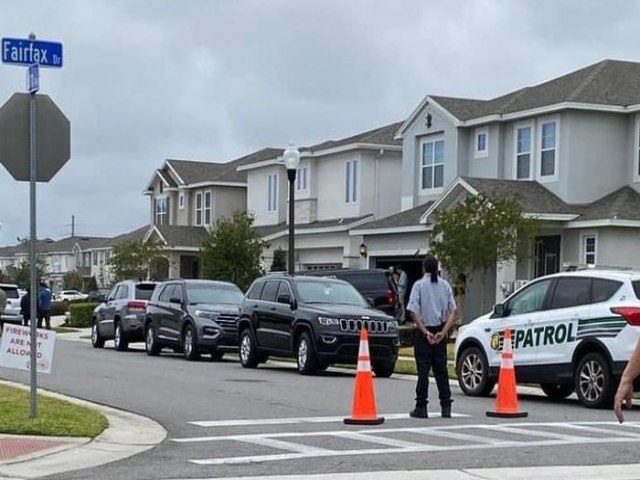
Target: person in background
{"points": [[403, 283], [25, 307], [624, 395], [3, 304], [433, 310], [44, 306]]}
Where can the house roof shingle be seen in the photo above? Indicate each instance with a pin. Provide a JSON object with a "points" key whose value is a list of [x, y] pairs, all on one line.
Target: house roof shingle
{"points": [[609, 82], [182, 236], [623, 204], [408, 218], [378, 136]]}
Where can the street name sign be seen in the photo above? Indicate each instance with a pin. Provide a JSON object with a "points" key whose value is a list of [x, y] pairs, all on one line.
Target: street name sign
{"points": [[23, 51]]}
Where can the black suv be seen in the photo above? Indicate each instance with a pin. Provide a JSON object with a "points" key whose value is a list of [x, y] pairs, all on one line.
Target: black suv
{"points": [[121, 315], [375, 284], [193, 316], [315, 320]]}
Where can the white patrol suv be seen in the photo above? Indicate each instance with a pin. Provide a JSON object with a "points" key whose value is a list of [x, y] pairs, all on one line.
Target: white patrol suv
{"points": [[572, 331]]}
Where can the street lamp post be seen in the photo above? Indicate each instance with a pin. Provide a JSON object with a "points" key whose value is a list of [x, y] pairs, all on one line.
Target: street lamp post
{"points": [[291, 158]]}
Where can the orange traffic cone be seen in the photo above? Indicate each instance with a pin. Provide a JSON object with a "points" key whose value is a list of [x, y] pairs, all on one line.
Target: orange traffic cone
{"points": [[507, 399], [364, 402]]}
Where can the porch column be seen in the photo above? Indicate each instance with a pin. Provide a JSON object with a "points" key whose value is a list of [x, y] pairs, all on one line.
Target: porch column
{"points": [[505, 278]]}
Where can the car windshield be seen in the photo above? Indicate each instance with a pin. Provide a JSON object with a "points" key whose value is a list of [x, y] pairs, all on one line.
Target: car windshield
{"points": [[207, 293], [329, 292]]}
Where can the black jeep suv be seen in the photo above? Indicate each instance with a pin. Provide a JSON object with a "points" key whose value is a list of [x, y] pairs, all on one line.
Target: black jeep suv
{"points": [[315, 320], [192, 316]]}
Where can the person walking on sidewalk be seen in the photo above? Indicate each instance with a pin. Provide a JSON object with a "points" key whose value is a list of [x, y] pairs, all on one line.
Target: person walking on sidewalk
{"points": [[433, 310], [44, 306]]}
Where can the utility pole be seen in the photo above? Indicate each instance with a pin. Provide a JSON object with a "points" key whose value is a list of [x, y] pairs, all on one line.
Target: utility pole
{"points": [[73, 225]]}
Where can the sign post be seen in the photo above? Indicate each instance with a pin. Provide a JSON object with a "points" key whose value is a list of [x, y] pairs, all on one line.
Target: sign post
{"points": [[33, 54]]}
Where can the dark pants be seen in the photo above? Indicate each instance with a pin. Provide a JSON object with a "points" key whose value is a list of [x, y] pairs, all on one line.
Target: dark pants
{"points": [[46, 316], [431, 357]]}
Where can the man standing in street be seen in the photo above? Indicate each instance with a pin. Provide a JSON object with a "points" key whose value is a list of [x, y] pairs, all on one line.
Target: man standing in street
{"points": [[44, 310], [25, 308], [433, 310]]}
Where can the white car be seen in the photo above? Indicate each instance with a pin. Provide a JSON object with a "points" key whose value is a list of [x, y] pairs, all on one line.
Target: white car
{"points": [[70, 295], [12, 307], [572, 331]]}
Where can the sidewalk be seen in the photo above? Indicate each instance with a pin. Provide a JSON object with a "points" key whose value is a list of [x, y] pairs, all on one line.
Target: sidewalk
{"points": [[128, 434]]}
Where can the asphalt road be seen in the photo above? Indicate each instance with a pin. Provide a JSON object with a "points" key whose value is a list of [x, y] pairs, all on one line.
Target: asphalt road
{"points": [[175, 392]]}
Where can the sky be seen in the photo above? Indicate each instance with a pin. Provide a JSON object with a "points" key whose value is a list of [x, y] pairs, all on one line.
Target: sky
{"points": [[213, 80]]}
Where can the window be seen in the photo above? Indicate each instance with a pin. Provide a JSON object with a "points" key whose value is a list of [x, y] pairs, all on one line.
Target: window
{"points": [[603, 289], [255, 291], [482, 143], [301, 179], [269, 292], [548, 149], [531, 299], [432, 165], [589, 243], [181, 201], [571, 292], [351, 192], [207, 208], [198, 209], [284, 290], [122, 292], [523, 153], [272, 202], [161, 210]]}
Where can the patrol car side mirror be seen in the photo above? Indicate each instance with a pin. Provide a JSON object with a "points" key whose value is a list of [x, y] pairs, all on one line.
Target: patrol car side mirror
{"points": [[498, 309]]}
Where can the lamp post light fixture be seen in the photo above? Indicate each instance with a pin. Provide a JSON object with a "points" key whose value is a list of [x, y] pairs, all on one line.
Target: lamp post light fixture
{"points": [[291, 159]]}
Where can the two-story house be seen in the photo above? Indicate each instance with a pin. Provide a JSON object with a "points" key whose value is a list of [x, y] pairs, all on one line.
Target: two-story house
{"points": [[340, 184], [569, 148], [187, 198]]}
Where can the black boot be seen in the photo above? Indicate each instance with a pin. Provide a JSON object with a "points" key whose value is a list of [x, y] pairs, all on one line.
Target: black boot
{"points": [[419, 412], [446, 410]]}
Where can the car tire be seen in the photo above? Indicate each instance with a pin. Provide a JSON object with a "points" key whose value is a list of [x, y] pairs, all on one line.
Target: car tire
{"points": [[248, 349], [263, 358], [383, 370], [306, 357], [190, 344], [217, 355], [120, 338], [151, 345], [556, 391], [97, 340], [594, 383], [473, 373]]}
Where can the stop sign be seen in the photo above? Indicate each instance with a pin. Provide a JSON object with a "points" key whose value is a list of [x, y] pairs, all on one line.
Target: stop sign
{"points": [[53, 137]]}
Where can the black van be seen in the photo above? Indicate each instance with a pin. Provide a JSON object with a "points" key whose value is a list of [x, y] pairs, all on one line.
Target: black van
{"points": [[374, 284]]}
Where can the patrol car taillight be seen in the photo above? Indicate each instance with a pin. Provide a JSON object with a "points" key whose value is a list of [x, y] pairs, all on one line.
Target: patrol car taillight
{"points": [[630, 314]]}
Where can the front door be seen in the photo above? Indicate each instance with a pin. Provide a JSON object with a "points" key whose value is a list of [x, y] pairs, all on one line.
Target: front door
{"points": [[547, 255]]}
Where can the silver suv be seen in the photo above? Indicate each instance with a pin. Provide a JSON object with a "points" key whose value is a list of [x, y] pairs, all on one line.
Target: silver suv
{"points": [[121, 316], [572, 331], [12, 308]]}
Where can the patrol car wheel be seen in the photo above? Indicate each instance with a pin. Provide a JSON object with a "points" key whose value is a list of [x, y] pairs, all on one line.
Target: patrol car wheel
{"points": [[383, 370], [473, 373], [594, 382], [555, 391]]}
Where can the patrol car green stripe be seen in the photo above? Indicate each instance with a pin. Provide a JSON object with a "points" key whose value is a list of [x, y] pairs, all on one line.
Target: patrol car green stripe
{"points": [[599, 320], [612, 326]]}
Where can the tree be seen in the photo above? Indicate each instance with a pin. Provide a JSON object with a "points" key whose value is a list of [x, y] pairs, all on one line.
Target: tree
{"points": [[21, 275], [480, 232], [133, 260], [232, 251], [73, 281], [279, 263], [92, 284]]}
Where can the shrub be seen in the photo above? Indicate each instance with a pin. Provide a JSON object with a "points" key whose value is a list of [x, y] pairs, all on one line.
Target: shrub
{"points": [[58, 308], [81, 314]]}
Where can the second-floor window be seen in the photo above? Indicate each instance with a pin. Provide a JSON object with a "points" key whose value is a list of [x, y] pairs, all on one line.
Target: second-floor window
{"points": [[161, 210], [481, 143], [432, 167], [548, 148], [207, 208], [301, 179], [523, 153], [351, 186], [198, 209], [589, 249], [272, 193]]}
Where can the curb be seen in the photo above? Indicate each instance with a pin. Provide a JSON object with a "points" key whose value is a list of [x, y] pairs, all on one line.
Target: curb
{"points": [[128, 434]]}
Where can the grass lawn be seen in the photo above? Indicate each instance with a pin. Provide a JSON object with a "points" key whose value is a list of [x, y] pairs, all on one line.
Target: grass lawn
{"points": [[55, 417]]}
